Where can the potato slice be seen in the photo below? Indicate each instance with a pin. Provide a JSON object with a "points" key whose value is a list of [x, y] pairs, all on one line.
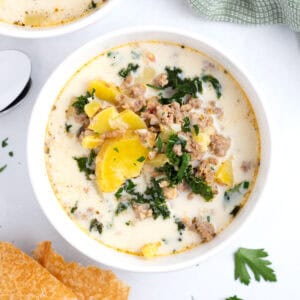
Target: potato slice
{"points": [[119, 159], [101, 122], [91, 108], [224, 174], [150, 250], [104, 90], [91, 141], [127, 119]]}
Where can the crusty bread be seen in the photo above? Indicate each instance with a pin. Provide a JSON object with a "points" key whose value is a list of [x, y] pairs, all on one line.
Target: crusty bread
{"points": [[86, 283], [21, 277]]}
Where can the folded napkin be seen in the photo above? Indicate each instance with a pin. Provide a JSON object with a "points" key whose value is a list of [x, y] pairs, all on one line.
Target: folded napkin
{"points": [[250, 11]]}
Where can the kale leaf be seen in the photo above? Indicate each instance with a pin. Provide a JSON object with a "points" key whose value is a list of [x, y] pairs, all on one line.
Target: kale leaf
{"points": [[130, 68], [96, 225], [214, 82], [82, 100], [86, 164]]}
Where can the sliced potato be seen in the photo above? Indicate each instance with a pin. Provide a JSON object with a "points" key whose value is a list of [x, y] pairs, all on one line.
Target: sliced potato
{"points": [[119, 159], [224, 174], [101, 122], [104, 90], [91, 108], [91, 141], [127, 119], [150, 250]]}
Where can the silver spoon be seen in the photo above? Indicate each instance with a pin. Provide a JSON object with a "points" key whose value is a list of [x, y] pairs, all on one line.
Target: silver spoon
{"points": [[15, 81]]}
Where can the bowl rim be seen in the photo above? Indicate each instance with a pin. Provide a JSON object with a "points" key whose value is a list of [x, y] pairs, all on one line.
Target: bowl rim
{"points": [[11, 30], [260, 181]]}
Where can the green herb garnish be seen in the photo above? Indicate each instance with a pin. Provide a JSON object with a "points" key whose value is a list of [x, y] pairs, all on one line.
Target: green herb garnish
{"points": [[130, 68], [2, 168], [141, 159], [233, 298], [186, 127], [121, 207], [196, 129], [235, 210], [86, 164], [180, 225], [67, 127], [10, 153], [159, 144], [215, 83], [159, 88], [238, 188], [172, 141], [74, 208], [116, 149], [82, 100], [119, 192], [96, 225], [92, 5], [4, 143], [253, 259]]}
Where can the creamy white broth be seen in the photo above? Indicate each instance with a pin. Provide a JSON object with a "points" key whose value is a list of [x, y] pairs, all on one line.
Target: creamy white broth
{"points": [[124, 231], [41, 13]]}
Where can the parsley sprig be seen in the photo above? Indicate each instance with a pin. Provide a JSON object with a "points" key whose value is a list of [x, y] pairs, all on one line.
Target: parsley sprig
{"points": [[254, 260]]}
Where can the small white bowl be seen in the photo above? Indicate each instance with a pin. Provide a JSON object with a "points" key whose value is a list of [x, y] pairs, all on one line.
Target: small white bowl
{"points": [[60, 220], [43, 32]]}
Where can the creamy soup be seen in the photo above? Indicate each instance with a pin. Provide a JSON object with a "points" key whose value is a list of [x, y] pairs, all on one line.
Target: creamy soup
{"points": [[43, 13], [152, 148]]}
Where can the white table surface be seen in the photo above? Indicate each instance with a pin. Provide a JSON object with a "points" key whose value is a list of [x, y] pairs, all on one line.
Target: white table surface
{"points": [[271, 54]]}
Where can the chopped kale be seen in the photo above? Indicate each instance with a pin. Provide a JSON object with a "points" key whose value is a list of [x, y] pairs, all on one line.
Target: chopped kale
{"points": [[215, 83], [180, 86], [82, 100], [159, 88], [208, 219], [237, 189], [196, 129], [86, 164], [172, 141], [119, 192], [96, 225], [185, 160], [74, 208], [186, 127], [2, 168], [198, 185], [67, 127], [141, 159], [130, 68], [121, 207], [159, 144], [4, 143]]}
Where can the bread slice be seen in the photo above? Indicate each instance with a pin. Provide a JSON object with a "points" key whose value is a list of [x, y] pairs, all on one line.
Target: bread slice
{"points": [[85, 282], [21, 277]]}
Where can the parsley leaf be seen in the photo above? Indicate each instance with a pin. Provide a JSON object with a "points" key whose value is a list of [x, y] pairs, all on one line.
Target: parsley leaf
{"points": [[82, 100], [130, 68], [186, 127], [141, 159], [86, 164], [233, 298], [96, 225], [4, 143], [215, 83], [2, 168], [253, 259]]}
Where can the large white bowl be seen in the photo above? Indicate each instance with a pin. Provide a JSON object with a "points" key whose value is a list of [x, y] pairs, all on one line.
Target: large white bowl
{"points": [[60, 220], [43, 32]]}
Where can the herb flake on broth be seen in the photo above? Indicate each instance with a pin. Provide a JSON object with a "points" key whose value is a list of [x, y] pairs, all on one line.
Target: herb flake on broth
{"points": [[164, 157]]}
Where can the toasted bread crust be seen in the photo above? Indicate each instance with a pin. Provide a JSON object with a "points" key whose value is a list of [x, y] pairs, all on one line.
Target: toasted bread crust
{"points": [[86, 282], [21, 277]]}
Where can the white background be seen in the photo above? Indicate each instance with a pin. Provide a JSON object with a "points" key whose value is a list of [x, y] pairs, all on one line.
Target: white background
{"points": [[271, 54]]}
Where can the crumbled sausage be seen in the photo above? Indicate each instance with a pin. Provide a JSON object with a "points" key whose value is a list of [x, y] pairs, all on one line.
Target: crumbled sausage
{"points": [[177, 149], [137, 91], [142, 211], [204, 229], [194, 149], [195, 103], [204, 121], [206, 170], [161, 80], [219, 144], [125, 102], [170, 192]]}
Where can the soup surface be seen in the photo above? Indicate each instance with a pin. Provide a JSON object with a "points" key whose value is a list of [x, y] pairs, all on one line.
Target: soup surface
{"points": [[152, 148], [41, 13]]}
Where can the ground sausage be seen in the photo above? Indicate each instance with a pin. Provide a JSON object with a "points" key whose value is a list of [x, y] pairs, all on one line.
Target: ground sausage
{"points": [[219, 144]]}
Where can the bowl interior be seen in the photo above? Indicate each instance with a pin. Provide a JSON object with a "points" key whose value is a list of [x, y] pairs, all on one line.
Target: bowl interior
{"points": [[38, 174], [42, 32]]}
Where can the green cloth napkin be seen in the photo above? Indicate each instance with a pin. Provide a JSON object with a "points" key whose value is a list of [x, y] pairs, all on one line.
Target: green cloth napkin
{"points": [[250, 11]]}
